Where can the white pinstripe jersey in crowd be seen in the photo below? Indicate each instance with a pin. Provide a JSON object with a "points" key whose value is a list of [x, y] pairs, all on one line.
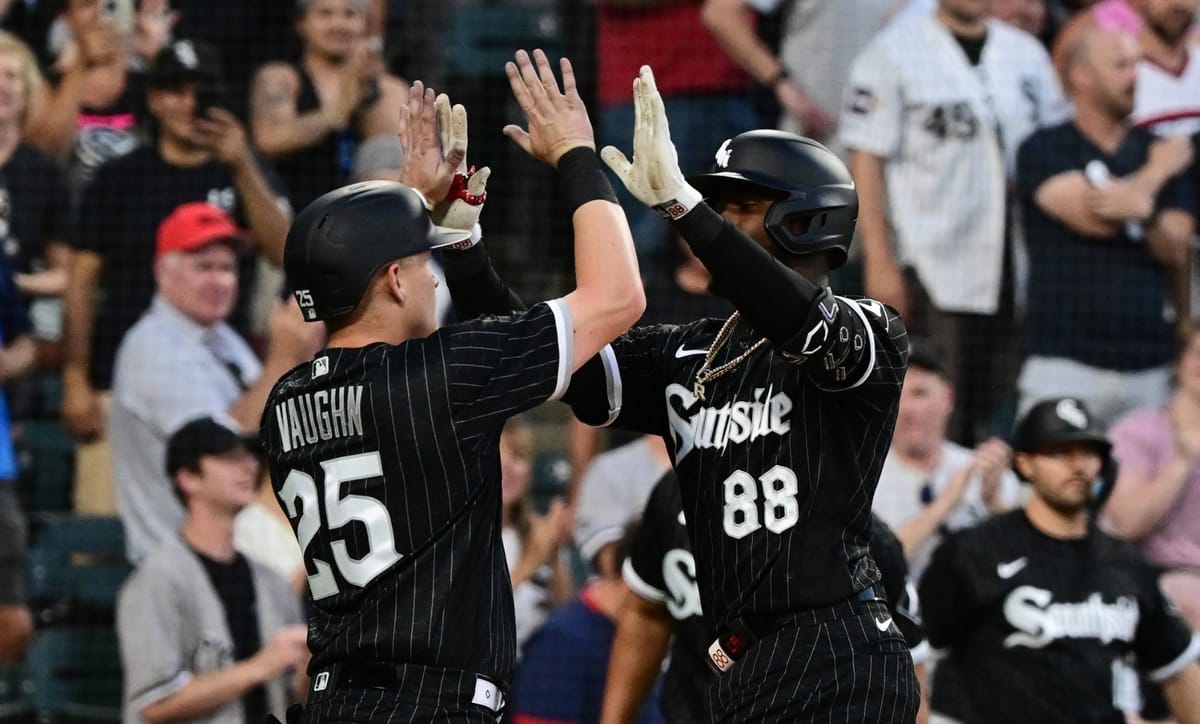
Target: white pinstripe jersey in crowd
{"points": [[1168, 103], [948, 133], [386, 460]]}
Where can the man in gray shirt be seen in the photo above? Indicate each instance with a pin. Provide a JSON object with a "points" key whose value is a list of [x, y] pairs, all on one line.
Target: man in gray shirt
{"points": [[206, 634], [182, 360]]}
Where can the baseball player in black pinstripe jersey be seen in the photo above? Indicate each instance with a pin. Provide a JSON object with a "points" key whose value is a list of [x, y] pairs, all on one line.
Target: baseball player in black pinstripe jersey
{"points": [[1042, 616], [663, 605], [383, 450], [778, 420]]}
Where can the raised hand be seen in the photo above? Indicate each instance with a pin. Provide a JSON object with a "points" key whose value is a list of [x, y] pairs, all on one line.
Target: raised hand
{"points": [[224, 136], [558, 120], [460, 206], [428, 166], [653, 176]]}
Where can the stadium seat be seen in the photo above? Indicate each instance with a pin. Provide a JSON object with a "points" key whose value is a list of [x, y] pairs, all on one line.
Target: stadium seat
{"points": [[15, 705], [77, 565], [74, 675], [481, 40], [47, 458]]}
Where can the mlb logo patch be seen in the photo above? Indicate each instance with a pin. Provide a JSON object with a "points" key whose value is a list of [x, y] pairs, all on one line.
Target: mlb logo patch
{"points": [[321, 682], [320, 367]]}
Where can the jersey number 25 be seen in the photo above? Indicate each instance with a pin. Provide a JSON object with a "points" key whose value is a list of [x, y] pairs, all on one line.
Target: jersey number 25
{"points": [[300, 487]]}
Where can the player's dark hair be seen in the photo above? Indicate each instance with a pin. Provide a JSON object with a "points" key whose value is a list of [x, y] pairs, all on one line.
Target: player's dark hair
{"points": [[176, 489]]}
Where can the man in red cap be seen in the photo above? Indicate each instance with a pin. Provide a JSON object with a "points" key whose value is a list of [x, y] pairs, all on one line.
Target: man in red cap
{"points": [[198, 151], [182, 360]]}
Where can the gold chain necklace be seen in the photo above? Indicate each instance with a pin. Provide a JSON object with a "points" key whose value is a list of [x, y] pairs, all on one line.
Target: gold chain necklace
{"points": [[705, 375]]}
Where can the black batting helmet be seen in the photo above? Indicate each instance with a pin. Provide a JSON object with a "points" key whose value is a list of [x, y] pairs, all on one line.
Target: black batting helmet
{"points": [[340, 240], [1065, 420], [819, 207]]}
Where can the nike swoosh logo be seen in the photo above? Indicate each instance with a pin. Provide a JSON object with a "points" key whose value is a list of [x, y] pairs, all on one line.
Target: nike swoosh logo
{"points": [[1012, 568], [682, 352], [884, 624]]}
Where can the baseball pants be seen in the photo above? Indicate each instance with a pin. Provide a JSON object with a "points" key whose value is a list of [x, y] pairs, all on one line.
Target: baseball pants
{"points": [[846, 662]]}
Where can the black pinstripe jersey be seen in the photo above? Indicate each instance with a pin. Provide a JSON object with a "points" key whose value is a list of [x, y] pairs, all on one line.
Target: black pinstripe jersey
{"points": [[386, 460], [1039, 629], [661, 569], [778, 463]]}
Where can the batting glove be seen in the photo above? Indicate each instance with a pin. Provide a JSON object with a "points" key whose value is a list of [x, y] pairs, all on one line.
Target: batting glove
{"points": [[653, 176], [463, 203]]}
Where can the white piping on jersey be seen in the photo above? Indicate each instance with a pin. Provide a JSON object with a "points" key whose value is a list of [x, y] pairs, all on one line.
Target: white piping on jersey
{"points": [[1190, 654], [566, 345], [612, 379], [639, 586]]}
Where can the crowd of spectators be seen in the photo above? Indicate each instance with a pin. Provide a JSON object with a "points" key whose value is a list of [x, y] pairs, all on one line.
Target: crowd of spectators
{"points": [[1028, 201]]}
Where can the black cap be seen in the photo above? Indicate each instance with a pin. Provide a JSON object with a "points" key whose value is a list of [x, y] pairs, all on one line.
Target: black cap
{"points": [[925, 354], [200, 437], [1056, 421], [182, 62]]}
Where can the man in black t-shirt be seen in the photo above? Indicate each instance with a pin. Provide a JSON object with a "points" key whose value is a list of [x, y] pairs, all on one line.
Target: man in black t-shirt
{"points": [[193, 157], [1042, 616], [309, 114], [384, 450], [1108, 219], [207, 634]]}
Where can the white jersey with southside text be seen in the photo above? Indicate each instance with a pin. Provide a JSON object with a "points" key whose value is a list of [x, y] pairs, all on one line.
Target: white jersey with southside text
{"points": [[1168, 103], [948, 132]]}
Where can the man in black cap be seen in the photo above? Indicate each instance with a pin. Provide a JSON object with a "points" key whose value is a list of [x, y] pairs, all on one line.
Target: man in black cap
{"points": [[1043, 616], [198, 152], [207, 634]]}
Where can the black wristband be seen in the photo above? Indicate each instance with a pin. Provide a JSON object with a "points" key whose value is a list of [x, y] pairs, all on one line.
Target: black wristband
{"points": [[774, 80], [583, 179]]}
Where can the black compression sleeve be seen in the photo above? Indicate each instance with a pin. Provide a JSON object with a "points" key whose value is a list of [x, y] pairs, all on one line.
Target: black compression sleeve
{"points": [[475, 287], [773, 298]]}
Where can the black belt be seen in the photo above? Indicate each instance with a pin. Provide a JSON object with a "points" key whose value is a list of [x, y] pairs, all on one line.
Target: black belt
{"points": [[740, 634], [423, 685]]}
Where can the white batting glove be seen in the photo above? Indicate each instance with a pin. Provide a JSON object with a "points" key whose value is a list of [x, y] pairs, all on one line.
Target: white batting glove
{"points": [[653, 176], [463, 204]]}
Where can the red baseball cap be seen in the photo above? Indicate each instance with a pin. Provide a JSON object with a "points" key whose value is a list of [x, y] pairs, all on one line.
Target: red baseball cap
{"points": [[194, 225]]}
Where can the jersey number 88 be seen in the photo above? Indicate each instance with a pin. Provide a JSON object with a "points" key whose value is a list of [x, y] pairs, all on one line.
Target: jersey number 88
{"points": [[780, 509]]}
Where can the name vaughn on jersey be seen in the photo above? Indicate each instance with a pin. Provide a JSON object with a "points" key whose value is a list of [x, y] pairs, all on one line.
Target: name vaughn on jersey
{"points": [[1032, 611], [319, 416]]}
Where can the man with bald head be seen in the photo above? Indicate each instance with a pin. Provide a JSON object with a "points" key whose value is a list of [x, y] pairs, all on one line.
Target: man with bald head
{"points": [[1108, 217]]}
